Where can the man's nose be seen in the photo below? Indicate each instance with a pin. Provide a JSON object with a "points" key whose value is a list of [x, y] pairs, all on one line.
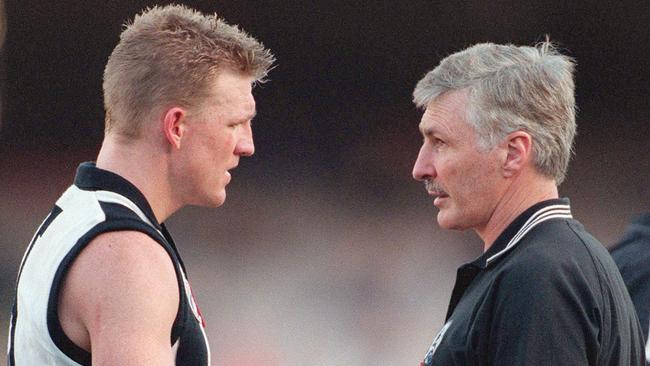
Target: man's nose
{"points": [[245, 146], [423, 168]]}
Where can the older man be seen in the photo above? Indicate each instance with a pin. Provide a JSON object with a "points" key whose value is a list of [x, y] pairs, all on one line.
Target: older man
{"points": [[498, 128], [102, 282]]}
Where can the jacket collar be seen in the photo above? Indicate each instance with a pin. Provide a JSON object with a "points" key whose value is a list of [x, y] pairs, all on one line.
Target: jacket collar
{"points": [[526, 221]]}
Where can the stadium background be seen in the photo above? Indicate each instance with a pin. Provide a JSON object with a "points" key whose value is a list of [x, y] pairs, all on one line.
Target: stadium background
{"points": [[326, 251]]}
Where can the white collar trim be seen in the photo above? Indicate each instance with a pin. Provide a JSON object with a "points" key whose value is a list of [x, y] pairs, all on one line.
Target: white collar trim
{"points": [[544, 214]]}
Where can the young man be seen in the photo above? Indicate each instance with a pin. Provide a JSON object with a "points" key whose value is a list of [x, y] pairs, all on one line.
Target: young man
{"points": [[102, 281], [498, 128]]}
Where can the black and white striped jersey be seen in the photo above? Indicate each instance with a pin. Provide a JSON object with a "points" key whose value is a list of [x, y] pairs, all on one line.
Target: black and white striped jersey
{"points": [[98, 202]]}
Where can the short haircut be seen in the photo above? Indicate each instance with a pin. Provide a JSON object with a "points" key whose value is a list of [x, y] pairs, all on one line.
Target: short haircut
{"points": [[170, 56], [513, 88]]}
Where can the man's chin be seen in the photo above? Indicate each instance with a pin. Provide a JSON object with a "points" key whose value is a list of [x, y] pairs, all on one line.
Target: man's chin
{"points": [[212, 201], [448, 223], [219, 200]]}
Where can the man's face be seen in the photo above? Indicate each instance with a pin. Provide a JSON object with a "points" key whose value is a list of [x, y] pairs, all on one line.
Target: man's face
{"points": [[217, 134], [464, 180]]}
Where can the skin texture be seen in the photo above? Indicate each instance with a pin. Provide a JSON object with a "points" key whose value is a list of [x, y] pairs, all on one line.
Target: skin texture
{"points": [[121, 296], [120, 299], [473, 188], [209, 143], [467, 178]]}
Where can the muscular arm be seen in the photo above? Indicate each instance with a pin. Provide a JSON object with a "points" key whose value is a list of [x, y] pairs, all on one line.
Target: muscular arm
{"points": [[120, 299]]}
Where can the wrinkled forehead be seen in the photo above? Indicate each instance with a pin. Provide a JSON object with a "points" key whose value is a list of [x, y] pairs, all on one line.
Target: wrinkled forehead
{"points": [[446, 114]]}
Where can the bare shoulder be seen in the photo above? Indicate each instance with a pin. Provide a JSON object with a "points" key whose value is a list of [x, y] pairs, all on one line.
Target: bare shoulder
{"points": [[121, 286], [127, 251], [122, 260]]}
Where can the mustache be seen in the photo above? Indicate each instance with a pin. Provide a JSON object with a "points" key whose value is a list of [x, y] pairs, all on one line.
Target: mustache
{"points": [[434, 187]]}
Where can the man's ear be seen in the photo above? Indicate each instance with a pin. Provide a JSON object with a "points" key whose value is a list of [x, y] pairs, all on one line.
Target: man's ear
{"points": [[174, 121], [520, 151]]}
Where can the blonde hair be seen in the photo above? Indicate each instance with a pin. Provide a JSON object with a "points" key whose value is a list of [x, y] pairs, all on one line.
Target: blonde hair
{"points": [[171, 55], [513, 88]]}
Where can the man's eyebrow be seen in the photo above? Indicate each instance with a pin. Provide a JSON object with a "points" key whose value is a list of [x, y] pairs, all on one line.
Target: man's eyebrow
{"points": [[250, 116], [427, 131], [436, 130]]}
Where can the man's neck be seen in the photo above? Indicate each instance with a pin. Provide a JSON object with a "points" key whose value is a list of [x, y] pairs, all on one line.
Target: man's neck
{"points": [[520, 196], [144, 166]]}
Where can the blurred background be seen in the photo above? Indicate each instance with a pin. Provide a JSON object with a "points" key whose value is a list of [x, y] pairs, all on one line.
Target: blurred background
{"points": [[326, 251]]}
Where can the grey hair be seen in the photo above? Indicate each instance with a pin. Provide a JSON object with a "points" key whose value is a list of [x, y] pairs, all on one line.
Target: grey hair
{"points": [[513, 88], [171, 55]]}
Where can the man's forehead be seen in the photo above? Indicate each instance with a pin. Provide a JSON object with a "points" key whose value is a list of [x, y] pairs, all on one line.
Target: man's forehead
{"points": [[234, 89], [233, 92], [444, 113]]}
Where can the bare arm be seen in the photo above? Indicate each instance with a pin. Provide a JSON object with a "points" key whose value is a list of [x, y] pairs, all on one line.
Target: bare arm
{"points": [[120, 299]]}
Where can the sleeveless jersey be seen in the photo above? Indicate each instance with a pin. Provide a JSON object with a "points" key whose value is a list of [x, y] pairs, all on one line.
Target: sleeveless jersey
{"points": [[98, 202]]}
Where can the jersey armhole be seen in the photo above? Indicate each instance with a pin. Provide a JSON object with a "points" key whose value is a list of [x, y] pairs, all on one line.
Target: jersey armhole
{"points": [[56, 333]]}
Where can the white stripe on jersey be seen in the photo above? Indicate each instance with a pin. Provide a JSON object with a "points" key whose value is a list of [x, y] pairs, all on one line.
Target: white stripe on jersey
{"points": [[32, 344], [545, 214], [647, 347], [112, 197]]}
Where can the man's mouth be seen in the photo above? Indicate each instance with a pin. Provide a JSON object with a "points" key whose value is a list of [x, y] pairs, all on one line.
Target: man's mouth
{"points": [[228, 173], [434, 189]]}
